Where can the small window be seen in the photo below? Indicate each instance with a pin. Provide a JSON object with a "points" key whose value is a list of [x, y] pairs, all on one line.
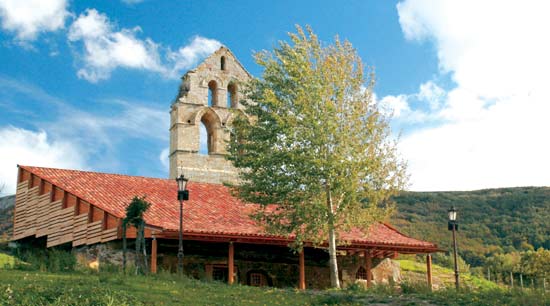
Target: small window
{"points": [[361, 273], [231, 95], [219, 274], [212, 93], [222, 63], [258, 278]]}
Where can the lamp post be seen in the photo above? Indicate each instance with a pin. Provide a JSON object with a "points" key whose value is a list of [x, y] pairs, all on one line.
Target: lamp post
{"points": [[453, 226], [183, 195]]}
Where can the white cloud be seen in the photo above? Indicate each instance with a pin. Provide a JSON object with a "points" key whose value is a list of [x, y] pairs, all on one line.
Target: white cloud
{"points": [[497, 54], [105, 48], [28, 18], [187, 56], [25, 147], [428, 99], [164, 158]]}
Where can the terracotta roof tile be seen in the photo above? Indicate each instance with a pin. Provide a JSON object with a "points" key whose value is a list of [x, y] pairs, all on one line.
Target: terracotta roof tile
{"points": [[211, 208]]}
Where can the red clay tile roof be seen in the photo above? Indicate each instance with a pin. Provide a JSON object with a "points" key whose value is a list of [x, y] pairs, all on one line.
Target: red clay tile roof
{"points": [[211, 210]]}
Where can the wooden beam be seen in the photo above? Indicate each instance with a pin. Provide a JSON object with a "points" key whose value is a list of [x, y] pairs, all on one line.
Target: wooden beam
{"points": [[368, 264], [429, 270], [302, 283], [154, 255], [230, 264]]}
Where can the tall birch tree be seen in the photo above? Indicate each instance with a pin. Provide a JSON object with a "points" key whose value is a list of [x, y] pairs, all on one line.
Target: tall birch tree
{"points": [[315, 143]]}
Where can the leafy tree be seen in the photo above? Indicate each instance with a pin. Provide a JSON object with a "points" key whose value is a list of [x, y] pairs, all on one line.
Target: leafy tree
{"points": [[134, 217], [316, 144]]}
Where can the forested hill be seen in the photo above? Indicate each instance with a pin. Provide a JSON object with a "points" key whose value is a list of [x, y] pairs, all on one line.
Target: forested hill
{"points": [[490, 221]]}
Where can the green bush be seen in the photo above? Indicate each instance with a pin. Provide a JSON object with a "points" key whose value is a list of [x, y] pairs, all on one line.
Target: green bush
{"points": [[52, 260]]}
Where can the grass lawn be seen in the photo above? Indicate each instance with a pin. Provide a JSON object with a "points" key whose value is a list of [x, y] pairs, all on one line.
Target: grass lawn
{"points": [[84, 288], [442, 277]]}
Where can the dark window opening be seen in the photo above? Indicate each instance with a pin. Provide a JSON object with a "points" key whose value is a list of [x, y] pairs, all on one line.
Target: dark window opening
{"points": [[212, 93], [222, 63], [258, 278], [361, 273], [219, 274], [232, 95]]}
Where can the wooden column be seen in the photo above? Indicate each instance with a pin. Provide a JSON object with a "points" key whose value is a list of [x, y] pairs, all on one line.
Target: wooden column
{"points": [[368, 265], [230, 264], [154, 255], [429, 270], [302, 281]]}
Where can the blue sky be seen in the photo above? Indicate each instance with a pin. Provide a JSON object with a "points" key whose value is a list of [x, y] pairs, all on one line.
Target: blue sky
{"points": [[88, 84]]}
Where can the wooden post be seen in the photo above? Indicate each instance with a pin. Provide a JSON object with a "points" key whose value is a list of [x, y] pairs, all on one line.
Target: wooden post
{"points": [[368, 264], [429, 270], [154, 255], [302, 283], [230, 264]]}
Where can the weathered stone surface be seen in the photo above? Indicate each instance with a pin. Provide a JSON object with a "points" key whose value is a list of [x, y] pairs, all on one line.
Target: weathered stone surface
{"points": [[191, 108], [386, 272], [102, 254]]}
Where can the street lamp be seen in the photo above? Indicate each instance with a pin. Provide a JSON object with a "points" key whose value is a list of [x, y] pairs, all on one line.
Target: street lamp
{"points": [[453, 226], [183, 195]]}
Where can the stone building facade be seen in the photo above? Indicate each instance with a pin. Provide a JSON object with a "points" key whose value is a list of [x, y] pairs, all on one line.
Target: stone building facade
{"points": [[209, 95]]}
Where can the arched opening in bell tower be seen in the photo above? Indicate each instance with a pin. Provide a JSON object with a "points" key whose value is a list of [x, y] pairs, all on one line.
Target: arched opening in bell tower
{"points": [[212, 93], [208, 133], [232, 95]]}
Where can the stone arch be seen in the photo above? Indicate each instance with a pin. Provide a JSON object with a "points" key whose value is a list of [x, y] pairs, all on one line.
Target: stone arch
{"points": [[361, 273], [232, 95], [258, 278], [212, 123], [213, 93]]}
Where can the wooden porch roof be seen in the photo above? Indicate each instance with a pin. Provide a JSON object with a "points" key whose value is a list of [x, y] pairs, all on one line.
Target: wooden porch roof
{"points": [[212, 213]]}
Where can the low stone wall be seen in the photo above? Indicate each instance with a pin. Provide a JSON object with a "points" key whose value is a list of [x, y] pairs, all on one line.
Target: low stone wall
{"points": [[280, 268]]}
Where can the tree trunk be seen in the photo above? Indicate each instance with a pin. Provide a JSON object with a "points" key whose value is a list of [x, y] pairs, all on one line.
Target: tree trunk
{"points": [[521, 280], [511, 279], [138, 249], [124, 247], [333, 263], [144, 247]]}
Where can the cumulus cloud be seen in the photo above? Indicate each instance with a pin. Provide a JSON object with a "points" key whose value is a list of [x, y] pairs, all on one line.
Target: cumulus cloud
{"points": [[26, 147], [106, 48], [26, 19], [427, 100], [164, 158], [494, 118]]}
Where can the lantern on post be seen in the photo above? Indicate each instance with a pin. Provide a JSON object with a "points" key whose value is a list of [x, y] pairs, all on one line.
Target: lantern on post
{"points": [[183, 195]]}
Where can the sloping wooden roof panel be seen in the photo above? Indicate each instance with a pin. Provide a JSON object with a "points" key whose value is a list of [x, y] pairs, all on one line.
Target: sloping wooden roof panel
{"points": [[211, 210]]}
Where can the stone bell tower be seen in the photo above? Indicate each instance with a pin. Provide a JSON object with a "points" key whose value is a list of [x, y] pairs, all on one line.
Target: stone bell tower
{"points": [[208, 94]]}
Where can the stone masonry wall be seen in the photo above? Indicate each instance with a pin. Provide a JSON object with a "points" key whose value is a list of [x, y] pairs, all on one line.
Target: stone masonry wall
{"points": [[191, 108]]}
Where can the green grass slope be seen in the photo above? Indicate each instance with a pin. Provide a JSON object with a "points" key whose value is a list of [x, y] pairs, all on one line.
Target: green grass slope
{"points": [[86, 288], [491, 221]]}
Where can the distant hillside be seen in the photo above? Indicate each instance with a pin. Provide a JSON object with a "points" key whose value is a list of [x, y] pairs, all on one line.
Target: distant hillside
{"points": [[491, 221], [6, 214]]}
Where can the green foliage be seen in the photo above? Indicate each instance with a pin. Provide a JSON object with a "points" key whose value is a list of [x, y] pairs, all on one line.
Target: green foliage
{"points": [[492, 221], [134, 216], [52, 260], [315, 144], [43, 288], [134, 212], [6, 261]]}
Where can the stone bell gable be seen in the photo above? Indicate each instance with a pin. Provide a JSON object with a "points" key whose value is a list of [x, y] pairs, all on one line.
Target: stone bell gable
{"points": [[209, 95]]}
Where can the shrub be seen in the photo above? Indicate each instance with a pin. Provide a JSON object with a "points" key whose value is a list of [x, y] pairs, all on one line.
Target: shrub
{"points": [[52, 260]]}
